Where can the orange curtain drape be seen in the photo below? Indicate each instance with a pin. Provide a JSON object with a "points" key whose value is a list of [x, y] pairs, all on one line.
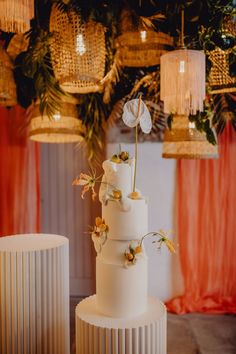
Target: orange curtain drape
{"points": [[206, 223], [19, 175]]}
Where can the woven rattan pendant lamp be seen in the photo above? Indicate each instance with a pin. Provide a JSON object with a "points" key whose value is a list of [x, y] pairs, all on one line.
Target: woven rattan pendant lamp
{"points": [[63, 127], [15, 15], [184, 141], [77, 51], [7, 83], [183, 79], [138, 46], [220, 79]]}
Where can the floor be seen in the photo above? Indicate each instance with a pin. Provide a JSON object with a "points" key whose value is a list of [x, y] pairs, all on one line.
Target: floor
{"points": [[189, 334]]}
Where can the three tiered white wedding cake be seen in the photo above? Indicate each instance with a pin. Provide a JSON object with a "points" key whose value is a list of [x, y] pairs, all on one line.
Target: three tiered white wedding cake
{"points": [[121, 285]]}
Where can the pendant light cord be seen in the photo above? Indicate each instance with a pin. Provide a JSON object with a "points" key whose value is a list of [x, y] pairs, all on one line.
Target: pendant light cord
{"points": [[182, 29]]}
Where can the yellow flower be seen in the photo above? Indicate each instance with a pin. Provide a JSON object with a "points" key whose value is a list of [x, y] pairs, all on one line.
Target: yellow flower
{"points": [[115, 159], [100, 225], [116, 193], [129, 256], [134, 195], [124, 155], [138, 249], [88, 181]]}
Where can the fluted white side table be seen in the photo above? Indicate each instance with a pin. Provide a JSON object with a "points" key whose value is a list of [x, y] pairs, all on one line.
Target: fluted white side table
{"points": [[34, 294], [99, 334]]}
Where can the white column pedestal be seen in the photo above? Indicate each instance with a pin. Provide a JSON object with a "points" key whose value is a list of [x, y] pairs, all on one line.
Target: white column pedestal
{"points": [[34, 294], [98, 334]]}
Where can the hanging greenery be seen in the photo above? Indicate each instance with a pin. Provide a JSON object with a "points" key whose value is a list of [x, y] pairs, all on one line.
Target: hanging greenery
{"points": [[203, 30]]}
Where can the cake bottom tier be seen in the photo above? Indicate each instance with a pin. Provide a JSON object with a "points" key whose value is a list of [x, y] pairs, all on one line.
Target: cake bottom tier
{"points": [[98, 334]]}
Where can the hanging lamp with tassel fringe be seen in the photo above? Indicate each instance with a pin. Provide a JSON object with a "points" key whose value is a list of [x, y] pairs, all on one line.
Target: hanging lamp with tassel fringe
{"points": [[15, 15], [183, 79]]}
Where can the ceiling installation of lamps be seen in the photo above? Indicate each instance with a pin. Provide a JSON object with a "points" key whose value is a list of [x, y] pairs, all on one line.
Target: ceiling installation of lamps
{"points": [[183, 79], [64, 127], [78, 51], [140, 46], [7, 83], [184, 141], [15, 15]]}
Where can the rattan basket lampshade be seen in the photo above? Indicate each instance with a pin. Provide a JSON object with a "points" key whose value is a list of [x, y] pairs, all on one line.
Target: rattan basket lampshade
{"points": [[184, 141], [77, 51], [15, 15], [7, 83], [139, 46], [64, 127], [220, 79], [143, 47]]}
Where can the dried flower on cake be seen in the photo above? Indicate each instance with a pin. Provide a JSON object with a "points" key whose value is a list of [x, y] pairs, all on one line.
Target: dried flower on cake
{"points": [[115, 158], [164, 239], [116, 194], [135, 195], [88, 182], [100, 226], [99, 233], [123, 156], [132, 253], [135, 250]]}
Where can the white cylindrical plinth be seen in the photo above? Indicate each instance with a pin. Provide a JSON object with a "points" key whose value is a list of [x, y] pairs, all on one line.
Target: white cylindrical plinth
{"points": [[98, 334], [34, 294]]}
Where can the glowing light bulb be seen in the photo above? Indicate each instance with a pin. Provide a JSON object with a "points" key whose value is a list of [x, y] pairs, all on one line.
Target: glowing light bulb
{"points": [[191, 126], [57, 116], [143, 36], [80, 46], [182, 66]]}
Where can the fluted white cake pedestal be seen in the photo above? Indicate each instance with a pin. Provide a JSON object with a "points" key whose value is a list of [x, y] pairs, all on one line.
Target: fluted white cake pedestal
{"points": [[98, 334], [34, 294]]}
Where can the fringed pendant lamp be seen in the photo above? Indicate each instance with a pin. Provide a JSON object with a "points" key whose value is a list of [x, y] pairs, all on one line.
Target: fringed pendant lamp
{"points": [[15, 15], [183, 79], [183, 92], [78, 51], [184, 141], [7, 84], [138, 46], [64, 127], [220, 79]]}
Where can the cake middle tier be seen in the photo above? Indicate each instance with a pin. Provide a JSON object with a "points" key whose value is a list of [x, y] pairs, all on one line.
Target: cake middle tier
{"points": [[127, 220], [121, 289]]}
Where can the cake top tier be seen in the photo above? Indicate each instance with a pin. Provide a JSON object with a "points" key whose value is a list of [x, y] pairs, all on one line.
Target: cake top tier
{"points": [[118, 176]]}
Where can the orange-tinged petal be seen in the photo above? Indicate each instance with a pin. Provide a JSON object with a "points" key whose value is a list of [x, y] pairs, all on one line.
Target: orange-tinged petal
{"points": [[169, 245], [98, 221], [85, 176], [102, 227], [94, 194], [138, 249], [85, 189]]}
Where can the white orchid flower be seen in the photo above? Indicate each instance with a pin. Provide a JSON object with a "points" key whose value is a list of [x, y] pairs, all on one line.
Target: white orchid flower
{"points": [[135, 111]]}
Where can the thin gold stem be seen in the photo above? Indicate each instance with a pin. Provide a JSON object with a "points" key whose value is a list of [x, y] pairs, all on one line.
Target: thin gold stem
{"points": [[153, 233], [136, 146], [136, 156]]}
